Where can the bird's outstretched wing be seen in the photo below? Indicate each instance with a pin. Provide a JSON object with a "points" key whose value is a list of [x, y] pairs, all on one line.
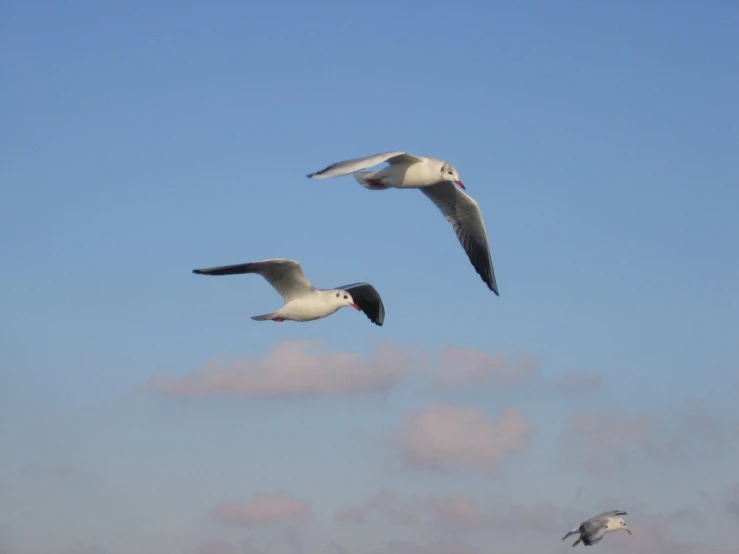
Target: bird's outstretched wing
{"points": [[593, 533], [464, 214], [357, 164], [286, 276], [368, 300], [606, 515]]}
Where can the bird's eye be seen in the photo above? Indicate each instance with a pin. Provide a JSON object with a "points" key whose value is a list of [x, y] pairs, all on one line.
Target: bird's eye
{"points": [[345, 297], [337, 295], [450, 172]]}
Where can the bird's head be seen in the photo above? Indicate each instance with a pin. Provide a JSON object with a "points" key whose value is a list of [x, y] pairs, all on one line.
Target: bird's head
{"points": [[449, 173], [620, 524], [343, 298]]}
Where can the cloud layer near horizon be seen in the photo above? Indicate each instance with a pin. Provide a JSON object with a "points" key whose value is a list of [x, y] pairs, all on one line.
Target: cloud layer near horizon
{"points": [[305, 368], [263, 509], [448, 436], [292, 369]]}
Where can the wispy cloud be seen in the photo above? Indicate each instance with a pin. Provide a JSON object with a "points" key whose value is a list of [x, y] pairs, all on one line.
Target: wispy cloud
{"points": [[385, 505], [263, 509], [604, 442], [466, 367], [461, 512], [292, 369], [458, 512], [450, 436]]}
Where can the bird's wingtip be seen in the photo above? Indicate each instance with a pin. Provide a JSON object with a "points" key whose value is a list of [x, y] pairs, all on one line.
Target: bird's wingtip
{"points": [[197, 271]]}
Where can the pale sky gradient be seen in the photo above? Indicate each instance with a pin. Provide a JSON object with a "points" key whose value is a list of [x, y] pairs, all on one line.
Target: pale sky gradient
{"points": [[142, 411]]}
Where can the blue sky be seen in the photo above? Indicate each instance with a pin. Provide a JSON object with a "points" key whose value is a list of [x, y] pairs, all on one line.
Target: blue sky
{"points": [[140, 141]]}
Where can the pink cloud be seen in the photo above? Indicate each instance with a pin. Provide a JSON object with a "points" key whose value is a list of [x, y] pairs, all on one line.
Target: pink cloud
{"points": [[292, 369], [460, 511], [386, 505], [465, 367], [263, 509], [448, 436]]}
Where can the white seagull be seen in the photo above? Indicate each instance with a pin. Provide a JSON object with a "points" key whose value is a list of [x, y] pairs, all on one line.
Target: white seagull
{"points": [[304, 302], [436, 179], [595, 528]]}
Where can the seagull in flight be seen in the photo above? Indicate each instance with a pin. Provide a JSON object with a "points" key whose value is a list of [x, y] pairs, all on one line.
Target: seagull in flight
{"points": [[304, 302], [594, 529], [440, 182]]}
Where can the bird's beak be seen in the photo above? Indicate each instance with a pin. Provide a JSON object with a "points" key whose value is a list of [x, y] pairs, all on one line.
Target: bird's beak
{"points": [[354, 306], [627, 530], [461, 185]]}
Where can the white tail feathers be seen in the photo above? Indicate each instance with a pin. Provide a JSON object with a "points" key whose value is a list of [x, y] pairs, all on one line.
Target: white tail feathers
{"points": [[368, 180], [265, 317]]}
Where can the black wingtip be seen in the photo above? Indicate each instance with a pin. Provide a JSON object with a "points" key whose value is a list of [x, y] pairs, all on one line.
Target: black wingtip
{"points": [[197, 271]]}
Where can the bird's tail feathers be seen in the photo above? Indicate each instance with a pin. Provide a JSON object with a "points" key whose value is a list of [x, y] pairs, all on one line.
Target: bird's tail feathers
{"points": [[368, 180], [264, 317]]}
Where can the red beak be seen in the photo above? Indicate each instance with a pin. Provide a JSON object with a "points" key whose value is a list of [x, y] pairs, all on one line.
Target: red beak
{"points": [[354, 306], [461, 185]]}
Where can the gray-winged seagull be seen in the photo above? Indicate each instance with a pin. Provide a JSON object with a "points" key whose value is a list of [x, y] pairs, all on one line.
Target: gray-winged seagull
{"points": [[595, 528], [304, 302], [436, 179]]}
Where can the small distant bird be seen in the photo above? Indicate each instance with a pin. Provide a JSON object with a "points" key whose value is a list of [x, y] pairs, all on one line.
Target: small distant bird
{"points": [[436, 179], [304, 302], [595, 528]]}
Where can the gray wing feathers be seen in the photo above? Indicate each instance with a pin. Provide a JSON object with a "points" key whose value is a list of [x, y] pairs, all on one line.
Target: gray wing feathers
{"points": [[368, 300], [609, 514], [464, 214], [286, 276], [593, 533], [357, 164]]}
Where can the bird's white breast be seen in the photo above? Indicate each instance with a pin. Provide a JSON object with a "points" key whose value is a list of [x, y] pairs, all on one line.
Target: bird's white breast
{"points": [[308, 308], [421, 174]]}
